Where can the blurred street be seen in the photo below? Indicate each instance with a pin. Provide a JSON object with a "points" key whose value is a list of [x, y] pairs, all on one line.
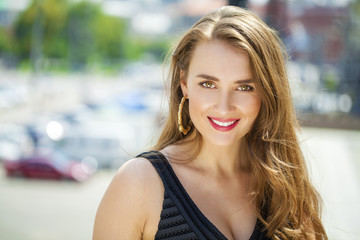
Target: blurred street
{"points": [[49, 210], [334, 164], [52, 210]]}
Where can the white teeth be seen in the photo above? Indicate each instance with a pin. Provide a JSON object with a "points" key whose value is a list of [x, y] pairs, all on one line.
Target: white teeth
{"points": [[223, 124]]}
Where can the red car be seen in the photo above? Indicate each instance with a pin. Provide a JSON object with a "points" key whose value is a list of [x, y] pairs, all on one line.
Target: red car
{"points": [[48, 164]]}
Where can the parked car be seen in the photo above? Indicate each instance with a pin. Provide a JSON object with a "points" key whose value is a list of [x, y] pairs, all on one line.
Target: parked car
{"points": [[48, 164]]}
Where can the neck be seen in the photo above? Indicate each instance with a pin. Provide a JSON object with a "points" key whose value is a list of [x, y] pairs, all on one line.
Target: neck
{"points": [[221, 160], [213, 159]]}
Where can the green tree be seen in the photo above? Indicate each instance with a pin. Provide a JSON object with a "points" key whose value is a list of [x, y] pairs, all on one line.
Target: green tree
{"points": [[7, 47], [78, 34], [137, 47], [5, 41], [46, 18], [110, 35], [55, 33], [82, 17]]}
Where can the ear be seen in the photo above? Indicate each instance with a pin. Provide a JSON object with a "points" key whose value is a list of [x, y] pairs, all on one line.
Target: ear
{"points": [[183, 83]]}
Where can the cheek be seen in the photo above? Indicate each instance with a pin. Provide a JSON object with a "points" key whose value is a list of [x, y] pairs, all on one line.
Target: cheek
{"points": [[256, 103], [197, 103], [200, 99], [250, 105]]}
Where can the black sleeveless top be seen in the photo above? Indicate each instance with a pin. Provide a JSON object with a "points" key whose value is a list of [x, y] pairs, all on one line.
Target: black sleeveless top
{"points": [[180, 218]]}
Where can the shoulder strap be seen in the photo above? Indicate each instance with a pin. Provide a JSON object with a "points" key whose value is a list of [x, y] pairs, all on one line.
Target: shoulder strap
{"points": [[198, 223], [162, 166]]}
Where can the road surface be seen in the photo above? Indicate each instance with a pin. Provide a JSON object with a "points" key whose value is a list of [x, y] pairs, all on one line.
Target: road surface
{"points": [[50, 210]]}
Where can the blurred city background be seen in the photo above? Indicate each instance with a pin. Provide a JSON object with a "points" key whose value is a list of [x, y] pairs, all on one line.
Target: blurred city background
{"points": [[82, 90]]}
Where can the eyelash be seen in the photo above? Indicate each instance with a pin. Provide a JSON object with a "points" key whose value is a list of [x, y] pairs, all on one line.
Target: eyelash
{"points": [[245, 88], [203, 84]]}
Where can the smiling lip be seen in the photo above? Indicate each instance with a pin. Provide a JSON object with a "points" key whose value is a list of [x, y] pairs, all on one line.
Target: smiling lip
{"points": [[223, 125]]}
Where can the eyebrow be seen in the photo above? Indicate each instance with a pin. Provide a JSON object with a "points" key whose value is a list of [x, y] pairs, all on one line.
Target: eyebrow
{"points": [[212, 78]]}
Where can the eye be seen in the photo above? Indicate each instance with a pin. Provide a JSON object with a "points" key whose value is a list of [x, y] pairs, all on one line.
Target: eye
{"points": [[245, 88], [207, 85]]}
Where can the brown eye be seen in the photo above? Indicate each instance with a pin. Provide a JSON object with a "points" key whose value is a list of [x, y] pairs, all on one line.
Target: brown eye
{"points": [[207, 85], [245, 88]]}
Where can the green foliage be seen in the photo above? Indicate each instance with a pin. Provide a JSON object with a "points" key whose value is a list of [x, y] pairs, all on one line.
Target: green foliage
{"points": [[82, 17], [74, 35], [110, 34], [354, 31], [46, 18], [55, 37], [5, 41], [136, 48], [331, 82], [22, 32]]}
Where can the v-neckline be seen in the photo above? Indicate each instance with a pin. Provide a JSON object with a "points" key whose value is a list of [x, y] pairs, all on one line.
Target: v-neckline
{"points": [[195, 207]]}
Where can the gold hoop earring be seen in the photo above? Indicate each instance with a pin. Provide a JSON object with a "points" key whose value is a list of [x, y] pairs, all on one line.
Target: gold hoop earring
{"points": [[181, 127]]}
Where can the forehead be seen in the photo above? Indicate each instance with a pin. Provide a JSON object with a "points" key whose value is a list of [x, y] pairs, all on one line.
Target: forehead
{"points": [[221, 60]]}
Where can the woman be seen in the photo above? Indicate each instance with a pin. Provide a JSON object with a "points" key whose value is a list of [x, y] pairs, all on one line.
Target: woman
{"points": [[227, 164]]}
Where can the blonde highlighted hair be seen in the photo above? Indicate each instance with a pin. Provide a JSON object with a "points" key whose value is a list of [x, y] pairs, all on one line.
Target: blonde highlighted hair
{"points": [[284, 198]]}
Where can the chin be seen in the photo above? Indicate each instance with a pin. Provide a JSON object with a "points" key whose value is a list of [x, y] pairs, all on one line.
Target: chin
{"points": [[224, 141]]}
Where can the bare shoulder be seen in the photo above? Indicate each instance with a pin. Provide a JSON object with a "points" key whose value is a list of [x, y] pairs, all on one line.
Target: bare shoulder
{"points": [[138, 171], [131, 204]]}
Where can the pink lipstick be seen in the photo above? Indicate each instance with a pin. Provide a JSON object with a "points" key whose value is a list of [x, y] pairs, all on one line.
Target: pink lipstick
{"points": [[223, 125]]}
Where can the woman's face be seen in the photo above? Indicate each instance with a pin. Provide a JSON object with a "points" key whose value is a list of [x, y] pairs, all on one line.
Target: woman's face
{"points": [[223, 99]]}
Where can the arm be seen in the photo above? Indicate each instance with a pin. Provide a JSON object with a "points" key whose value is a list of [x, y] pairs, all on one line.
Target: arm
{"points": [[122, 213]]}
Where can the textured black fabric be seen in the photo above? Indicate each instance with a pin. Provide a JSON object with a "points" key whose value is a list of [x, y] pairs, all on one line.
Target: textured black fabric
{"points": [[180, 218]]}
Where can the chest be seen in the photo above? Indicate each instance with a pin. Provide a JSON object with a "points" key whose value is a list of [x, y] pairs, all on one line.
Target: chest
{"points": [[208, 208], [226, 204], [230, 211]]}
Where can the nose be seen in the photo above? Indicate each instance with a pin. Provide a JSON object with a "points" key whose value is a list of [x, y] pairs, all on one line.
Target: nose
{"points": [[225, 103]]}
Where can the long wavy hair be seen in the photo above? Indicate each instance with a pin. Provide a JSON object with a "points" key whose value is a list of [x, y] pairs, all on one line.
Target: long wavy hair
{"points": [[285, 200]]}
